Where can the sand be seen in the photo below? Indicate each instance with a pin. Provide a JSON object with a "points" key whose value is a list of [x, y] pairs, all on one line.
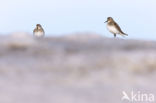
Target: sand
{"points": [[76, 68]]}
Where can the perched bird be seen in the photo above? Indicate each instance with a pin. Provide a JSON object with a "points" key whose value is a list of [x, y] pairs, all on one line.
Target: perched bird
{"points": [[39, 31], [113, 27]]}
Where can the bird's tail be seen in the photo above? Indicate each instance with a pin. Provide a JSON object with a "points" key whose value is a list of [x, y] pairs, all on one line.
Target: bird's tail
{"points": [[124, 34]]}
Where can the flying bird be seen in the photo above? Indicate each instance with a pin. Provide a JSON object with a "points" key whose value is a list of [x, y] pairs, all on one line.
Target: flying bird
{"points": [[114, 28]]}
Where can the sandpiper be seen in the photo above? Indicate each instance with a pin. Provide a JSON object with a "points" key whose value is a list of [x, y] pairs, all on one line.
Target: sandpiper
{"points": [[113, 27], [39, 31]]}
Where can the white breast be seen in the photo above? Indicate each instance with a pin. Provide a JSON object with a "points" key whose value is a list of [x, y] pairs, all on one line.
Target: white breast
{"points": [[39, 34], [112, 29]]}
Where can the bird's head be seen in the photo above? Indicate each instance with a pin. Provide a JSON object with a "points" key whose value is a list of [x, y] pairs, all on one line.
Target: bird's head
{"points": [[38, 25], [109, 19]]}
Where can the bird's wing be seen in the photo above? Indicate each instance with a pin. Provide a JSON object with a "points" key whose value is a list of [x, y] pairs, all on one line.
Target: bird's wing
{"points": [[43, 31], [34, 31], [118, 27]]}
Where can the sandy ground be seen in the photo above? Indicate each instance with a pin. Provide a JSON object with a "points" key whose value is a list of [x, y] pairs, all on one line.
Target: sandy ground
{"points": [[84, 68]]}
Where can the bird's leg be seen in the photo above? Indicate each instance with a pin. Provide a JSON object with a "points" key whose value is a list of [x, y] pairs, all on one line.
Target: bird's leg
{"points": [[114, 35]]}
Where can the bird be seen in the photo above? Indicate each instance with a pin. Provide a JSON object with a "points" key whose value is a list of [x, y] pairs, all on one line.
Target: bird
{"points": [[114, 28], [38, 31]]}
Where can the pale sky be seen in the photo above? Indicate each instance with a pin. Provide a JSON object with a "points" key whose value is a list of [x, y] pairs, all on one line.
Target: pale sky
{"points": [[136, 17]]}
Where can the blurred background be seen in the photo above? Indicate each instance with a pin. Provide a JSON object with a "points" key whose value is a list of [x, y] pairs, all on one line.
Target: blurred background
{"points": [[78, 61]]}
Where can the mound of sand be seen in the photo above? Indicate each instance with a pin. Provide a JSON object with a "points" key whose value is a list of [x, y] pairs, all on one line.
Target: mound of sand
{"points": [[84, 68]]}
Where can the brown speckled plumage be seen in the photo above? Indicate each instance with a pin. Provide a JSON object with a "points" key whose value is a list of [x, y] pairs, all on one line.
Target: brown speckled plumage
{"points": [[39, 31], [113, 27]]}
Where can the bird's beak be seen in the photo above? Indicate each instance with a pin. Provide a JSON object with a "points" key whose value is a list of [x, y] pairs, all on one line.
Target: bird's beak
{"points": [[105, 21]]}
